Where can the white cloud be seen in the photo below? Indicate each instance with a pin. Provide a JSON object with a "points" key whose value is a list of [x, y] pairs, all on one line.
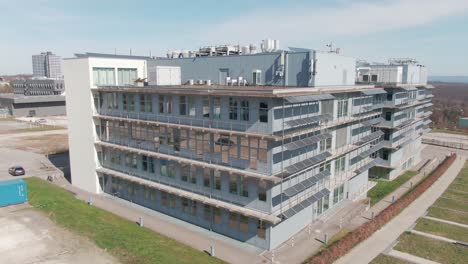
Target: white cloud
{"points": [[349, 19]]}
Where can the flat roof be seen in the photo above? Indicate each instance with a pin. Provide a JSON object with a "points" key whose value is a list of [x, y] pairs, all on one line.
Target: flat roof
{"points": [[250, 91], [19, 98]]}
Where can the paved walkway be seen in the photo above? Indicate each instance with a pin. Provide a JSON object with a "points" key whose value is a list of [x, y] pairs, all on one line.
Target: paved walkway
{"points": [[446, 221], [441, 238], [411, 258], [380, 240]]}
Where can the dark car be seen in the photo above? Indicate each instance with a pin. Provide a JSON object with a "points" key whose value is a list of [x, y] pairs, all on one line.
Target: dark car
{"points": [[224, 142], [16, 171]]}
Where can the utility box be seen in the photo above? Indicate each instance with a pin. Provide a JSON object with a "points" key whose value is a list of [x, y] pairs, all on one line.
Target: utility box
{"points": [[164, 75], [13, 192]]}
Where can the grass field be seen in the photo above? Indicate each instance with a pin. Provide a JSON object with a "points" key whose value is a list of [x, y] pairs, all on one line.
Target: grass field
{"points": [[441, 229], [432, 249], [383, 188], [453, 204], [123, 239], [384, 259]]}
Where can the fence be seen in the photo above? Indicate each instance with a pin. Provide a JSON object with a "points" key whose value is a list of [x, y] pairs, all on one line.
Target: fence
{"points": [[457, 145], [345, 244]]}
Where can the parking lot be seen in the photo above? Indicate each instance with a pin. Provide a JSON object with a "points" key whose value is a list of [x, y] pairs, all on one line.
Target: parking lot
{"points": [[28, 236]]}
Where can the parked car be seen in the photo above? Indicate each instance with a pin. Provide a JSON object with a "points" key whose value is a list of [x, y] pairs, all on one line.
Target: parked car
{"points": [[41, 121], [16, 171], [224, 142]]}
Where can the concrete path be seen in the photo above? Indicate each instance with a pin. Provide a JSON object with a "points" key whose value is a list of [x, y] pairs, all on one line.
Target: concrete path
{"points": [[380, 240], [443, 239], [408, 257], [446, 221]]}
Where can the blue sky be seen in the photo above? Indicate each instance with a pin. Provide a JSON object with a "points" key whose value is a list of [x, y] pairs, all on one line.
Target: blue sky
{"points": [[432, 31]]}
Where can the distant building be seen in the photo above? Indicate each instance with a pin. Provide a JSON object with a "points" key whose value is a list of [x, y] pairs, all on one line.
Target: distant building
{"points": [[47, 65], [463, 122], [20, 105], [38, 87]]}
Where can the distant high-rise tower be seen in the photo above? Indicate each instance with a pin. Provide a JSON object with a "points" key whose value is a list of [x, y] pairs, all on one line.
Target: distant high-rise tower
{"points": [[47, 65]]}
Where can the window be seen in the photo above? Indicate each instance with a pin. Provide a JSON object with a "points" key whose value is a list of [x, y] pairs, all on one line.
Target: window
{"points": [[206, 107], [325, 166], [207, 178], [263, 112], [257, 77], [244, 184], [193, 174], [365, 78], [244, 110], [385, 154], [319, 206], [163, 168], [261, 229], [232, 220], [182, 105], [191, 106], [165, 104], [325, 144], [172, 201], [374, 78], [185, 172], [126, 76], [144, 163], [243, 223], [217, 179], [232, 108], [193, 208], [388, 116], [233, 184], [112, 101], [217, 215], [262, 191], [131, 160], [103, 76], [340, 164], [338, 194], [217, 108], [164, 200], [326, 202], [342, 108], [128, 102], [207, 212], [185, 205], [146, 103]]}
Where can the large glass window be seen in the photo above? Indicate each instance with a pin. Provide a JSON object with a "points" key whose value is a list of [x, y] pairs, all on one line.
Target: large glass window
{"points": [[263, 112], [338, 194], [261, 229], [182, 105], [112, 101], [126, 76], [233, 184], [128, 102], [340, 164], [146, 103], [217, 179], [243, 223], [262, 186], [207, 212], [103, 76], [343, 108], [206, 107], [191, 106], [232, 108], [217, 215], [244, 110], [232, 220], [216, 108]]}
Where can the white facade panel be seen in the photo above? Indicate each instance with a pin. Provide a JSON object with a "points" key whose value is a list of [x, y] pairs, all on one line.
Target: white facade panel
{"points": [[164, 75]]}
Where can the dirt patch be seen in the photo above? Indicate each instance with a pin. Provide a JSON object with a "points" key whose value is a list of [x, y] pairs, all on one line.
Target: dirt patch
{"points": [[28, 236], [43, 144]]}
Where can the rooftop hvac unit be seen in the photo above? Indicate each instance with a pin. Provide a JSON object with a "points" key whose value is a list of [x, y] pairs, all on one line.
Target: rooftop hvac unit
{"points": [[184, 54], [164, 75], [253, 49], [245, 49]]}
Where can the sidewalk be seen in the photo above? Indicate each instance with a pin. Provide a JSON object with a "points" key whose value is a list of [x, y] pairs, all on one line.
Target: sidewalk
{"points": [[380, 240]]}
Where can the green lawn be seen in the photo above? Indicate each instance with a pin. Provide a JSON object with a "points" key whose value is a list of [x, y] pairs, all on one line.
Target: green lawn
{"points": [[451, 204], [432, 249], [124, 239], [441, 229], [383, 188], [449, 215], [457, 195], [384, 259]]}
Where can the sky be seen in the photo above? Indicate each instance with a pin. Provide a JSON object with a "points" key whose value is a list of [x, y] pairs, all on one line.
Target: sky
{"points": [[432, 31]]}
